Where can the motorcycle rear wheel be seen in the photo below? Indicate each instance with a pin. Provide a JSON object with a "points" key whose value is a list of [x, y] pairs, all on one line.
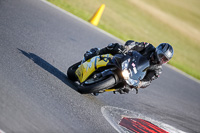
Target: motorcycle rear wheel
{"points": [[98, 86], [71, 71]]}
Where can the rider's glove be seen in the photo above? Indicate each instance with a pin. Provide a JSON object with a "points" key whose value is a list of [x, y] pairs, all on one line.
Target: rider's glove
{"points": [[114, 48], [130, 45]]}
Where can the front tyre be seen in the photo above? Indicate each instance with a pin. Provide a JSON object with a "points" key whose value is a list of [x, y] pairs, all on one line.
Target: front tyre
{"points": [[98, 86]]}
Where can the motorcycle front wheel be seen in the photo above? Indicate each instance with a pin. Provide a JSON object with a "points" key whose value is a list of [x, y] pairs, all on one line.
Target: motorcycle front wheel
{"points": [[98, 86]]}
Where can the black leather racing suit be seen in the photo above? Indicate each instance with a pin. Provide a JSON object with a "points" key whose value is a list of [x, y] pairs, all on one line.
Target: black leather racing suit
{"points": [[146, 49]]}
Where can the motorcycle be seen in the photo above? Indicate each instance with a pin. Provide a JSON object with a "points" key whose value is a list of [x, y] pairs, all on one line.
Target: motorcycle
{"points": [[104, 73]]}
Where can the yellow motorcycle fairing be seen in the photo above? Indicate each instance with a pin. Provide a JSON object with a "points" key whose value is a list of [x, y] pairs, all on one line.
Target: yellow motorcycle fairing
{"points": [[88, 67]]}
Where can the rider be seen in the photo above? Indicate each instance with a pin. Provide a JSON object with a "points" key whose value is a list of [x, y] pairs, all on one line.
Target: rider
{"points": [[157, 56]]}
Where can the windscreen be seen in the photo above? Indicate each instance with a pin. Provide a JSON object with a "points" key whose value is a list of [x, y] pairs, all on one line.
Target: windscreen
{"points": [[137, 66]]}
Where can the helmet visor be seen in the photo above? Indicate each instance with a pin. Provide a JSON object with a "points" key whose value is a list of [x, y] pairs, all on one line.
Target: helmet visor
{"points": [[161, 57]]}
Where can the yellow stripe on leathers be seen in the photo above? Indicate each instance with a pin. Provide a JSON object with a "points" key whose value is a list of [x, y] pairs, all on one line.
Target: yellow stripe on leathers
{"points": [[88, 67], [95, 19]]}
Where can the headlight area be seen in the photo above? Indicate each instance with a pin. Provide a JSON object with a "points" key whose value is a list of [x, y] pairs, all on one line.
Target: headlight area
{"points": [[125, 64], [125, 74]]}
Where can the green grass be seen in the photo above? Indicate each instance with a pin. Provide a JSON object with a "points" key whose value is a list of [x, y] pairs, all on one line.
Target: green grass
{"points": [[127, 21], [185, 10]]}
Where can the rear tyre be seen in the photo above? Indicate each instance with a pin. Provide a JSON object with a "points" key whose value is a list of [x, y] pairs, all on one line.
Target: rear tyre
{"points": [[95, 88], [71, 71]]}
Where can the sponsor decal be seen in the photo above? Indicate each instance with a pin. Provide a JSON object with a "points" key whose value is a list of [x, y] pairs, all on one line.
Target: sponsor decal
{"points": [[134, 68]]}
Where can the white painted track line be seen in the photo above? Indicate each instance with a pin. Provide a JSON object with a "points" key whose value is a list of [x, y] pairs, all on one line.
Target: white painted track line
{"points": [[1, 131]]}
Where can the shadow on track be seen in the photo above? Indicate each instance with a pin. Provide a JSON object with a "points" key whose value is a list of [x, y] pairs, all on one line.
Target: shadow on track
{"points": [[49, 68]]}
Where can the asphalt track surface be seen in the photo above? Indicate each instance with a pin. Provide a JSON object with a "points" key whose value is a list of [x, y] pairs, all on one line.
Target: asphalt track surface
{"points": [[37, 45]]}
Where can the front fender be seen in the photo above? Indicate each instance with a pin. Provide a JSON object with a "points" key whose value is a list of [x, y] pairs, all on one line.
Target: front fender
{"points": [[109, 72]]}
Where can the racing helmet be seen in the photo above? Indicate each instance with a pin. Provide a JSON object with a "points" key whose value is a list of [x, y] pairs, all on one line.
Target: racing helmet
{"points": [[164, 52]]}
